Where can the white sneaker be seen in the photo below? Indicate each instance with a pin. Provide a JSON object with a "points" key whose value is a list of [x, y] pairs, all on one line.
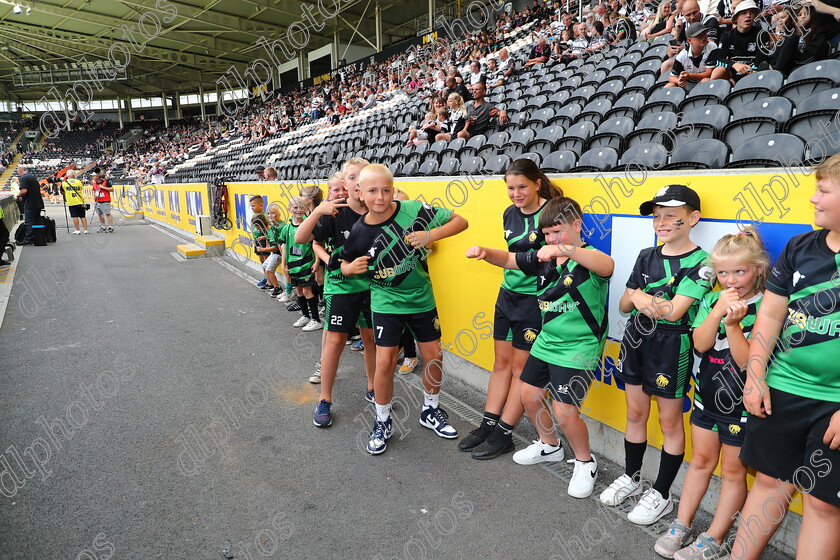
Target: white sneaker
{"points": [[77, 232], [651, 508], [302, 321], [315, 378], [313, 325], [538, 452], [284, 298], [110, 229], [582, 483], [622, 488], [87, 232]]}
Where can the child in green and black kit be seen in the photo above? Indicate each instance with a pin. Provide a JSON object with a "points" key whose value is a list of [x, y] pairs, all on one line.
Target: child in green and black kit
{"points": [[299, 266], [259, 227], [662, 296]]}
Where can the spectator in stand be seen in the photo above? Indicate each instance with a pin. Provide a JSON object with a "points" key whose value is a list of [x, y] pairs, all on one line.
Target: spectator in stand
{"points": [[597, 42], [33, 202], [559, 46], [419, 134], [539, 54], [506, 64], [691, 14], [813, 43], [579, 45], [480, 113], [640, 14], [260, 171], [663, 24], [782, 48], [270, 173], [457, 118], [475, 75], [494, 77], [689, 67], [738, 54], [453, 87]]}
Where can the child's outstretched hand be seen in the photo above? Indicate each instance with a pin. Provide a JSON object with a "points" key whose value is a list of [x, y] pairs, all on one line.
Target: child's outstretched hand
{"points": [[735, 312], [832, 434], [477, 252], [331, 207]]}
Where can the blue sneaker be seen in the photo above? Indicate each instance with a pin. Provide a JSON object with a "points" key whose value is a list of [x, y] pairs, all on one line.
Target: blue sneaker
{"points": [[379, 436], [358, 346], [323, 418], [262, 282], [435, 419], [369, 397]]}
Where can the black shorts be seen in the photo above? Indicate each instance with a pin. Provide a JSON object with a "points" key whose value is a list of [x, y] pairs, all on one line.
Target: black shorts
{"points": [[656, 356], [517, 319], [302, 282], [731, 433], [345, 311], [567, 385], [788, 445], [77, 211], [388, 327]]}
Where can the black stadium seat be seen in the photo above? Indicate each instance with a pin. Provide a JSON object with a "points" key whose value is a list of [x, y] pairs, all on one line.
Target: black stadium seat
{"points": [[756, 118], [815, 115], [559, 162], [665, 99], [612, 133], [596, 160], [648, 156], [428, 168], [576, 137], [770, 150], [823, 147], [810, 79], [652, 128], [546, 139], [706, 153], [702, 122], [706, 93], [533, 156], [497, 165], [627, 105], [752, 87], [449, 166]]}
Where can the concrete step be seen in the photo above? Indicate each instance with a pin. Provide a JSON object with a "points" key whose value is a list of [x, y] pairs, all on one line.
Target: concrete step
{"points": [[213, 246], [191, 251]]}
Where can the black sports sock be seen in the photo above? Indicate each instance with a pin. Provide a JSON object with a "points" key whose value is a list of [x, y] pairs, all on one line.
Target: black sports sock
{"points": [[313, 307], [669, 466], [304, 310], [504, 428], [490, 419], [634, 454]]}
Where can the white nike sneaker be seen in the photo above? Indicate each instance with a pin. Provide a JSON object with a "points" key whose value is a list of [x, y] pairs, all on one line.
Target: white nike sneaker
{"points": [[582, 483], [538, 452]]}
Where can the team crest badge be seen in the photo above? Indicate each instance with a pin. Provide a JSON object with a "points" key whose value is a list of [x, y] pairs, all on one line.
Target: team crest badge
{"points": [[734, 429], [530, 335], [671, 280], [532, 237], [436, 324], [662, 380], [567, 280], [661, 192]]}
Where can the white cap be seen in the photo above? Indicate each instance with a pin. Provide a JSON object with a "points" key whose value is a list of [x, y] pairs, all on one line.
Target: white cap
{"points": [[744, 6]]}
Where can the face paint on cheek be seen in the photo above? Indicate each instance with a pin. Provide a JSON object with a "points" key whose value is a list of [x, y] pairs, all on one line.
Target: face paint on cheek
{"points": [[680, 224]]}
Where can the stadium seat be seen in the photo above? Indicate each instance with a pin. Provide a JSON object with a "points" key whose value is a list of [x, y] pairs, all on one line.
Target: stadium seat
{"points": [[558, 99], [594, 78], [653, 128], [522, 138], [650, 156], [608, 64], [596, 160], [594, 111], [756, 118], [752, 87], [622, 72], [494, 145], [707, 93], [665, 99], [454, 148], [497, 165], [824, 147], [627, 106], [783, 150], [546, 139], [576, 137], [435, 150], [566, 116], [517, 105], [449, 166], [611, 133], [428, 168], [533, 156], [539, 118], [582, 94], [609, 90], [649, 66], [571, 83], [706, 153], [472, 165], [536, 102], [816, 115], [474, 144], [810, 79], [559, 162], [703, 122], [409, 169], [516, 120], [642, 84]]}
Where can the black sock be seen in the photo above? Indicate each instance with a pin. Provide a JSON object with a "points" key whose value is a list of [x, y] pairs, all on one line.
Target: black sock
{"points": [[313, 308], [490, 419], [504, 428], [669, 467], [634, 453], [304, 310]]}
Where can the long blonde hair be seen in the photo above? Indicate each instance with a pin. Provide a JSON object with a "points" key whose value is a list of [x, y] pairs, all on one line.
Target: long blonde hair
{"points": [[460, 100]]}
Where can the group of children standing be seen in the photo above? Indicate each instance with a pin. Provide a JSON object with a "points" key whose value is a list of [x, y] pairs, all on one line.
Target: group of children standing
{"points": [[550, 329]]}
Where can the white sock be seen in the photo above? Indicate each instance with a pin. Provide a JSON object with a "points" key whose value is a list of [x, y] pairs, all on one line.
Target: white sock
{"points": [[431, 400], [383, 412]]}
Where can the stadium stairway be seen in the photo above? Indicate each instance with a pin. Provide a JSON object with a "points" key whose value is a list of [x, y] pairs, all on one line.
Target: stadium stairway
{"points": [[7, 174], [204, 246]]}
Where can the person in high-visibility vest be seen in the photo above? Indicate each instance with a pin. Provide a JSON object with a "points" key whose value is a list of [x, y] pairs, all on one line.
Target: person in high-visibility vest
{"points": [[72, 189]]}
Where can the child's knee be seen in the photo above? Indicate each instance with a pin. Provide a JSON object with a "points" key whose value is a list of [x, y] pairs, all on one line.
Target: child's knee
{"points": [[530, 394], [821, 508]]}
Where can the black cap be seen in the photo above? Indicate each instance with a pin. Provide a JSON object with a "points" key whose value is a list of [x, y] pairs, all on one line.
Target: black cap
{"points": [[259, 169], [672, 195]]}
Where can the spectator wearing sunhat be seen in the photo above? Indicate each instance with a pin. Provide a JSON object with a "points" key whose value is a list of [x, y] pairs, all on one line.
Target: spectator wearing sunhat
{"points": [[739, 53]]}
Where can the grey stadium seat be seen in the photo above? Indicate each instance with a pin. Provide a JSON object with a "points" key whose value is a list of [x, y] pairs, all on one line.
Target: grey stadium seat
{"points": [[706, 153], [559, 162], [770, 150], [598, 159]]}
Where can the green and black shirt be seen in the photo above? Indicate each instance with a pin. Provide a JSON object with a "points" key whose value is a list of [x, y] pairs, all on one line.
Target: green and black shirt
{"points": [[522, 233], [719, 382], [332, 232], [666, 276], [299, 256], [398, 273], [805, 359], [573, 304]]}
